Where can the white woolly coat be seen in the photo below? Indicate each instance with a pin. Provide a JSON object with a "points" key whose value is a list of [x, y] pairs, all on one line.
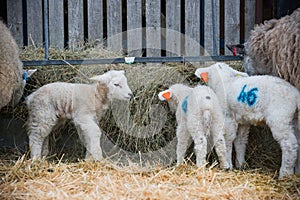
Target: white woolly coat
{"points": [[83, 103], [251, 100], [199, 116], [55, 102], [69, 100]]}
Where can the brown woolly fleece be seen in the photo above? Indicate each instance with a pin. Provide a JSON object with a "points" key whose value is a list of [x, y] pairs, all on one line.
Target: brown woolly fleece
{"points": [[11, 70], [275, 46]]}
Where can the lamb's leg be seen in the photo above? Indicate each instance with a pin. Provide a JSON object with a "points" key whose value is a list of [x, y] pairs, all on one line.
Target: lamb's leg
{"points": [[35, 144], [220, 145], [297, 134], [45, 147], [240, 143], [88, 128], [183, 141], [285, 137], [39, 127], [200, 147], [297, 167], [230, 135], [88, 155]]}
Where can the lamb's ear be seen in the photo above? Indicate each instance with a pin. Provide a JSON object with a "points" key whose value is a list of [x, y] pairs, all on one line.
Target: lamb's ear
{"points": [[96, 78], [165, 95], [237, 49], [30, 72], [203, 74], [236, 73], [27, 74], [241, 74]]}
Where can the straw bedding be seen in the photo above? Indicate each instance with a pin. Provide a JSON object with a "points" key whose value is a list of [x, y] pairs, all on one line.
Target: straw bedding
{"points": [[23, 179], [64, 175]]}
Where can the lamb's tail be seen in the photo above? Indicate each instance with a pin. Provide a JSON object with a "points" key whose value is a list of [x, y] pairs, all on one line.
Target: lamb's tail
{"points": [[206, 121], [28, 100]]}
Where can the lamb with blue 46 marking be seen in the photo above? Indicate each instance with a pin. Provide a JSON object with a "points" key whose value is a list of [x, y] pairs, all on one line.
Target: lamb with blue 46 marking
{"points": [[199, 117], [251, 100]]}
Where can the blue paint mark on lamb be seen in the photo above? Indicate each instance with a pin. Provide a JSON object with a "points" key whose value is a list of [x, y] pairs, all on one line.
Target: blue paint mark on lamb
{"points": [[249, 97], [184, 104]]}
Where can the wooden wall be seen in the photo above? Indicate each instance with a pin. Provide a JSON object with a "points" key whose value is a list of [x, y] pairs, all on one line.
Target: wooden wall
{"points": [[138, 27]]}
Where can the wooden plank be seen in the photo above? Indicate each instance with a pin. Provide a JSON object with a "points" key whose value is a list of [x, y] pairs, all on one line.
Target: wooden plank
{"points": [[35, 22], [173, 29], [134, 27], [208, 26], [56, 24], [249, 17], [114, 25], [15, 20], [153, 24], [192, 28], [95, 20], [232, 23], [75, 23]]}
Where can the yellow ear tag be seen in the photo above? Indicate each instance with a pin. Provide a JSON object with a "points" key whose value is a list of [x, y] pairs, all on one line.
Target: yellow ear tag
{"points": [[167, 95], [238, 75], [204, 76]]}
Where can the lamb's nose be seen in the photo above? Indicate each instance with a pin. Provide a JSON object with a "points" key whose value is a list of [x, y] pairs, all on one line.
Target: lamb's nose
{"points": [[130, 95]]}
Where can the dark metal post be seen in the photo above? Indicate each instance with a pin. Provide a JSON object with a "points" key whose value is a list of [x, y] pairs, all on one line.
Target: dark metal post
{"points": [[214, 21], [46, 29]]}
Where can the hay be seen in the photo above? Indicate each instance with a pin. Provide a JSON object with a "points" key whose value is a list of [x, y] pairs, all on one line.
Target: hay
{"points": [[25, 179]]}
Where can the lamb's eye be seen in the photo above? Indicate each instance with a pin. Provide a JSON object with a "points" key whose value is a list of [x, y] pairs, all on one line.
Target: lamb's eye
{"points": [[117, 85]]}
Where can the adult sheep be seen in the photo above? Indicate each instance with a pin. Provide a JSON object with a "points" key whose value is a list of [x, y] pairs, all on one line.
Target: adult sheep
{"points": [[199, 116], [255, 99], [12, 76], [273, 48], [82, 103]]}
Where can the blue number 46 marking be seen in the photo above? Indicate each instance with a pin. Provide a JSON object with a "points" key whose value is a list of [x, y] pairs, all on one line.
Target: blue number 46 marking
{"points": [[249, 97]]}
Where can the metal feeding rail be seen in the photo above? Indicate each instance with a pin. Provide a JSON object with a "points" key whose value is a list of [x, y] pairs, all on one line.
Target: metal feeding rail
{"points": [[130, 60]]}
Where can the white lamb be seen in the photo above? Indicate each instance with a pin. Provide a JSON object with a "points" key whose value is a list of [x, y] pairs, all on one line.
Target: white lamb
{"points": [[83, 103], [255, 99], [199, 116]]}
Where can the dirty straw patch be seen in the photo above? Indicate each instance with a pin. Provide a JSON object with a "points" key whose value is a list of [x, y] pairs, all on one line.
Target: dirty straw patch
{"points": [[25, 179]]}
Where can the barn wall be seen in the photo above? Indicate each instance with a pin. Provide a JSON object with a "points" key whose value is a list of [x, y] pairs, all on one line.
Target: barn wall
{"points": [[180, 27]]}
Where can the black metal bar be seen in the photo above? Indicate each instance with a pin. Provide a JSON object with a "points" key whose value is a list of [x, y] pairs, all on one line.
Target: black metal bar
{"points": [[46, 29], [214, 22], [137, 60]]}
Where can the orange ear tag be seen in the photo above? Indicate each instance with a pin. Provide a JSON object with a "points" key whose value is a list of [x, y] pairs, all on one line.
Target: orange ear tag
{"points": [[167, 95], [204, 76]]}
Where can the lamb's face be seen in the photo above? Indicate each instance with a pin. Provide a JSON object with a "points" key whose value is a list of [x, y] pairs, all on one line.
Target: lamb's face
{"points": [[118, 87], [116, 82]]}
